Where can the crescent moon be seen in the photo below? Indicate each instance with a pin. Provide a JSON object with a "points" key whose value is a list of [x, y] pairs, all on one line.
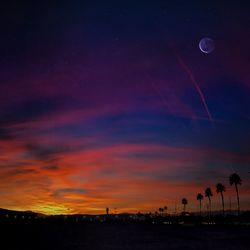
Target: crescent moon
{"points": [[206, 45]]}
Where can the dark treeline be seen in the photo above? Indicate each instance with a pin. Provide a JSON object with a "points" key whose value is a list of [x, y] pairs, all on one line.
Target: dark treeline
{"points": [[14, 217]]}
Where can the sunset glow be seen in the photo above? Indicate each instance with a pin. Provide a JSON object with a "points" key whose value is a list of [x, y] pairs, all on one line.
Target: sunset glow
{"points": [[97, 110]]}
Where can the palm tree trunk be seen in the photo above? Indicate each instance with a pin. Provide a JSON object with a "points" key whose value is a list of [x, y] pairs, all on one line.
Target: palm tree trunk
{"points": [[223, 207], [238, 198], [209, 205], [200, 207]]}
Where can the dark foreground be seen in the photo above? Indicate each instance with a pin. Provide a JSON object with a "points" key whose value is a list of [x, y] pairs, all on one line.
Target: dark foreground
{"points": [[123, 236]]}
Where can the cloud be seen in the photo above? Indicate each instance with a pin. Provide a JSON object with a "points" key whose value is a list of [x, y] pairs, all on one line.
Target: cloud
{"points": [[51, 167], [5, 134], [60, 193], [31, 109], [21, 171], [45, 152]]}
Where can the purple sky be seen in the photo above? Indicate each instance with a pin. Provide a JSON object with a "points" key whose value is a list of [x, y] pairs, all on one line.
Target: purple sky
{"points": [[114, 105]]}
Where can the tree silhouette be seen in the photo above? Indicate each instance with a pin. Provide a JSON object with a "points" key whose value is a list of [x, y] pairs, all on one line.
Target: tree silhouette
{"points": [[235, 180], [161, 210], [220, 189], [209, 194], [165, 208], [184, 202], [199, 197]]}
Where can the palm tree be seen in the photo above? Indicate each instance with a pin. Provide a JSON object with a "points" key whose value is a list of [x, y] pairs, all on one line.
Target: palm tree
{"points": [[220, 189], [165, 208], [235, 180], [209, 194], [199, 198], [161, 210], [184, 202]]}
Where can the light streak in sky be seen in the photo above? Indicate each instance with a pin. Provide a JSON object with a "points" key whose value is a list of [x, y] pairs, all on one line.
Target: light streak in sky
{"points": [[159, 93], [196, 85]]}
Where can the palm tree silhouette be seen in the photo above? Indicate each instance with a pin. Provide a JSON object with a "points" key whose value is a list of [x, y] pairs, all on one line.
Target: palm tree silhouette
{"points": [[165, 208], [161, 210], [184, 202], [235, 180], [209, 194], [220, 189], [199, 197]]}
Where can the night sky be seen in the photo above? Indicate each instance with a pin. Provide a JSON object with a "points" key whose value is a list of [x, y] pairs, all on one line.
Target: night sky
{"points": [[113, 104]]}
